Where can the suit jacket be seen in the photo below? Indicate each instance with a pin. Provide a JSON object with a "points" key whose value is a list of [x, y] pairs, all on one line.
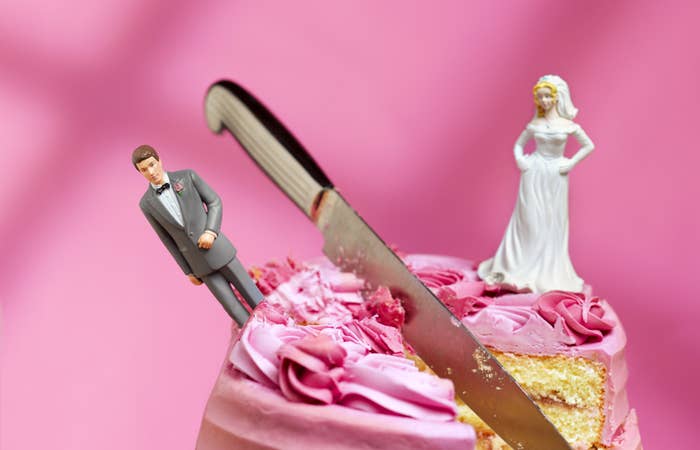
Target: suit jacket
{"points": [[181, 240]]}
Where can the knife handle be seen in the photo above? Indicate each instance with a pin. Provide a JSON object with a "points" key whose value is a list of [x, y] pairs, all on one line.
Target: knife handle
{"points": [[268, 142]]}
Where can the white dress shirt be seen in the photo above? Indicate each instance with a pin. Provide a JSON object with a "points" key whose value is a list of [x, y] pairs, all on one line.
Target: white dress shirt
{"points": [[167, 198]]}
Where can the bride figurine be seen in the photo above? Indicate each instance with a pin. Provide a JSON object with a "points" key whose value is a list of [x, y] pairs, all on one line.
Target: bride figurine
{"points": [[534, 253]]}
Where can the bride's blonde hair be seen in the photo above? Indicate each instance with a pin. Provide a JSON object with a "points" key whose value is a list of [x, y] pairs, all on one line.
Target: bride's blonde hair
{"points": [[541, 84]]}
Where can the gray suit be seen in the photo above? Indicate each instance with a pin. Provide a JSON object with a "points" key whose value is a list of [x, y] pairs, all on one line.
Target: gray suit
{"points": [[217, 266]]}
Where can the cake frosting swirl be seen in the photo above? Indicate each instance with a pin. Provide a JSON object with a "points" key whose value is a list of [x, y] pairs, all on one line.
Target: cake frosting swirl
{"points": [[317, 351], [358, 363], [582, 317]]}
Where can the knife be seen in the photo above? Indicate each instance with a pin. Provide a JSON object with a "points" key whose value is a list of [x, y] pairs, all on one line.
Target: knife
{"points": [[438, 336]]}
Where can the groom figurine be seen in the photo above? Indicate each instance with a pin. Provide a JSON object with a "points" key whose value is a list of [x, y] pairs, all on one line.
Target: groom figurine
{"points": [[174, 205]]}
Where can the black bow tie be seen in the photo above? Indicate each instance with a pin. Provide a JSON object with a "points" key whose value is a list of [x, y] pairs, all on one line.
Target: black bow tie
{"points": [[162, 188]]}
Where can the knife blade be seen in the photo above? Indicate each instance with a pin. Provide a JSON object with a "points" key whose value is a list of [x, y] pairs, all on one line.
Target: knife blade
{"points": [[438, 336]]}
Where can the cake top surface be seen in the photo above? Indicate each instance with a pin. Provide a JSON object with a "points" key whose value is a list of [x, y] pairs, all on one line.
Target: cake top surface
{"points": [[321, 338]]}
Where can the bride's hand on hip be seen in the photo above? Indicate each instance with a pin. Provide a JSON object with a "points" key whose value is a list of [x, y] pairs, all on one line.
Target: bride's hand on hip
{"points": [[523, 163], [565, 166]]}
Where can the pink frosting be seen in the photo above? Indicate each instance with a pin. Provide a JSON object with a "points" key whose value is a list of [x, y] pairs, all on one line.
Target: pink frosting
{"points": [[255, 353], [338, 364], [388, 310], [363, 378], [309, 297], [381, 338], [453, 283], [311, 368], [435, 277], [462, 306], [582, 318], [627, 436], [242, 413], [390, 385], [356, 363], [274, 273]]}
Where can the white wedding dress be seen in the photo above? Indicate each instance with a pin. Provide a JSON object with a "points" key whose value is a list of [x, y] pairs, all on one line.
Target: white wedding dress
{"points": [[534, 253]]}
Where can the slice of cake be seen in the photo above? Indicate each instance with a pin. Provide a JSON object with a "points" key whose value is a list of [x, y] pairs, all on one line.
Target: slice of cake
{"points": [[322, 364], [565, 349]]}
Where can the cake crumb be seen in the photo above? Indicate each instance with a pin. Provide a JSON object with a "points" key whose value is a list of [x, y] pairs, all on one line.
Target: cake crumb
{"points": [[482, 362]]}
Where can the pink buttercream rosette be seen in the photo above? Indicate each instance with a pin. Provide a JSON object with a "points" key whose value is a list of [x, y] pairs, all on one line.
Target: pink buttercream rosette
{"points": [[355, 364], [581, 317], [394, 385], [457, 287], [311, 368]]}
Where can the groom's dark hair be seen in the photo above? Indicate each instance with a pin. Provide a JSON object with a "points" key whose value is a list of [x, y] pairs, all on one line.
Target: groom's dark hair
{"points": [[143, 152]]}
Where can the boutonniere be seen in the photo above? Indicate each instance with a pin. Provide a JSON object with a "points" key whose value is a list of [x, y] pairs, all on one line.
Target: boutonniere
{"points": [[178, 188]]}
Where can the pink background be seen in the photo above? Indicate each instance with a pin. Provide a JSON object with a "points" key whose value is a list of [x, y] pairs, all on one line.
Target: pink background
{"points": [[411, 108]]}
